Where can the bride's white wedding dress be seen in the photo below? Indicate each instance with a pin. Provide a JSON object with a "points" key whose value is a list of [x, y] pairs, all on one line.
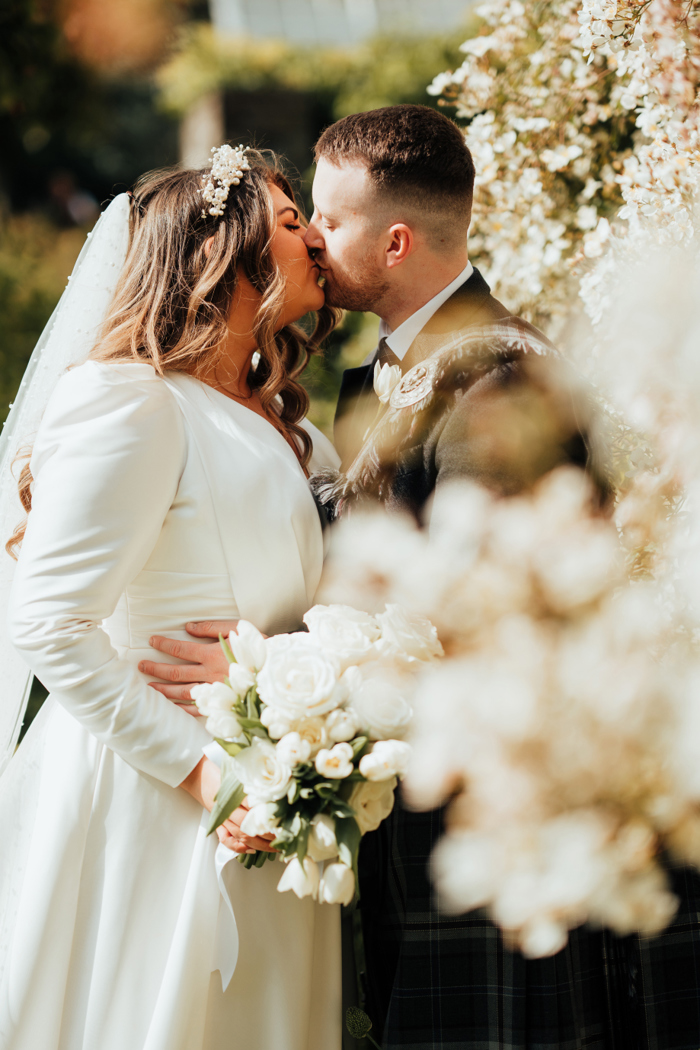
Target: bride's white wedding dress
{"points": [[156, 502]]}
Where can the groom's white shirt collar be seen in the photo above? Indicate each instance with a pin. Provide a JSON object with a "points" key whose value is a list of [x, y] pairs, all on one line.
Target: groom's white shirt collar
{"points": [[401, 338]]}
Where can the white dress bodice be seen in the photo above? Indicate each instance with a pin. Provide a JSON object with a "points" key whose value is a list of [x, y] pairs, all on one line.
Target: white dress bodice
{"points": [[155, 502]]}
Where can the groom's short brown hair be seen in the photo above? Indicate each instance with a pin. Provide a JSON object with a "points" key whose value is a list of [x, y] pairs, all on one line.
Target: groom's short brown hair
{"points": [[415, 157]]}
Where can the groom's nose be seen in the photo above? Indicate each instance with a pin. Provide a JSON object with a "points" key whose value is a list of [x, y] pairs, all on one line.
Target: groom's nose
{"points": [[313, 238]]}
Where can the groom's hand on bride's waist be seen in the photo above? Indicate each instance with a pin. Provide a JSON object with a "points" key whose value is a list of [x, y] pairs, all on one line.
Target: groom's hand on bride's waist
{"points": [[204, 662]]}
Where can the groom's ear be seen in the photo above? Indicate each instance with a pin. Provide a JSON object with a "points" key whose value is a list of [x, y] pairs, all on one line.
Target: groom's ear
{"points": [[402, 242]]}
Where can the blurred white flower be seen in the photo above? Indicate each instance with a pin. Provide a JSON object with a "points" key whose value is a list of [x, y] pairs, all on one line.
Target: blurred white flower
{"points": [[292, 749], [372, 801], [336, 763], [387, 759], [240, 679], [276, 722], [213, 696], [248, 646], [223, 726], [410, 634], [262, 772], [337, 884], [302, 880], [215, 701], [341, 724], [378, 704], [260, 820], [314, 731], [322, 843]]}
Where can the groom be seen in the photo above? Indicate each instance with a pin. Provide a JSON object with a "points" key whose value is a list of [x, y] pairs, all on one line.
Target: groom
{"points": [[392, 206], [392, 197]]}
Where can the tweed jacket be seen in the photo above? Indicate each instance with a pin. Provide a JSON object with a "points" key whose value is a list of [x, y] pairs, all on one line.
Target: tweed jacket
{"points": [[484, 395]]}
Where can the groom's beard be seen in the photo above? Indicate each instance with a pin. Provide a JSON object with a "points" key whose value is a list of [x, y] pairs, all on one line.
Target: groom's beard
{"points": [[358, 289]]}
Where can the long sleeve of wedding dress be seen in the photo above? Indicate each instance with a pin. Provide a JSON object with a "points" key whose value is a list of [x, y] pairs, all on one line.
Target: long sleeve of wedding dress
{"points": [[106, 467]]}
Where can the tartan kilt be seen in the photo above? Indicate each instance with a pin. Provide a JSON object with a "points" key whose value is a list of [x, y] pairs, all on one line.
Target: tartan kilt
{"points": [[440, 982]]}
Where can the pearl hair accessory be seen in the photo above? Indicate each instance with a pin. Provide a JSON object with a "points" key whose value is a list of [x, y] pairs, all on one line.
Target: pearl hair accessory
{"points": [[227, 167]]}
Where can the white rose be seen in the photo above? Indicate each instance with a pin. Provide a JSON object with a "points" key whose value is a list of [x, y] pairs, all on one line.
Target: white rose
{"points": [[260, 820], [386, 377], [293, 749], [322, 844], [298, 678], [387, 759], [347, 633], [275, 722], [408, 634], [248, 646], [337, 884], [301, 880], [314, 730], [335, 764], [263, 774], [341, 724], [240, 679], [379, 706], [372, 802]]}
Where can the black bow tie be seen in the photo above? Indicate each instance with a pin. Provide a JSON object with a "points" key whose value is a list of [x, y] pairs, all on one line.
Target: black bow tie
{"points": [[385, 355]]}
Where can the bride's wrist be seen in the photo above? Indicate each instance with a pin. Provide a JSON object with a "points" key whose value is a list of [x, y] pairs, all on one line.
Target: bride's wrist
{"points": [[203, 783]]}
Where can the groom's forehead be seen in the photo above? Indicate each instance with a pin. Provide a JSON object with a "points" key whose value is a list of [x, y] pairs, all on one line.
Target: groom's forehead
{"points": [[342, 186]]}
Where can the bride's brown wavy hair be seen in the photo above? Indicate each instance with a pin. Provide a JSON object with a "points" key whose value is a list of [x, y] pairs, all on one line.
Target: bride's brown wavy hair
{"points": [[171, 305]]}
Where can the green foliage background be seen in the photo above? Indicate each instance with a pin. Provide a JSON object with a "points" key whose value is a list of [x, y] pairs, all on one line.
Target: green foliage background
{"points": [[56, 114]]}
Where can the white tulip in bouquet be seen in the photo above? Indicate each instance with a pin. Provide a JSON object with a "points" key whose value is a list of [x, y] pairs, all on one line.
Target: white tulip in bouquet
{"points": [[312, 725]]}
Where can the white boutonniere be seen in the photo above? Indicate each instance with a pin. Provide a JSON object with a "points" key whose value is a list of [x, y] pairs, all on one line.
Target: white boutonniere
{"points": [[385, 379]]}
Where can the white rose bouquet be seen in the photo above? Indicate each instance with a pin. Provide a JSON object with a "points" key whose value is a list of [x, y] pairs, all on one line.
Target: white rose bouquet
{"points": [[312, 725]]}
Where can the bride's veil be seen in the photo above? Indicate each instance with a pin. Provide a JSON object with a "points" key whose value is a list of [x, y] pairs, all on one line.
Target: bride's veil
{"points": [[67, 339]]}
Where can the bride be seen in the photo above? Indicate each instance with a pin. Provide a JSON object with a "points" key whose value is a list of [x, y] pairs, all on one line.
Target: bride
{"points": [[167, 482]]}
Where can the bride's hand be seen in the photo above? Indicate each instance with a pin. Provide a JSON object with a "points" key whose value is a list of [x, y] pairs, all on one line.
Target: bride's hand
{"points": [[205, 662], [202, 784]]}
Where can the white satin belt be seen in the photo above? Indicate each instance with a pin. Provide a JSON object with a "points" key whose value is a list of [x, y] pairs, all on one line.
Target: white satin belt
{"points": [[226, 946]]}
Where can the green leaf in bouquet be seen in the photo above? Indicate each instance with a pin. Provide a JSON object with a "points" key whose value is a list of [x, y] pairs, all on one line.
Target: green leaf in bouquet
{"points": [[231, 747], [341, 809], [326, 790], [293, 792], [358, 744], [348, 835], [228, 652], [253, 711], [252, 723], [229, 796], [306, 792], [284, 845], [303, 841]]}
